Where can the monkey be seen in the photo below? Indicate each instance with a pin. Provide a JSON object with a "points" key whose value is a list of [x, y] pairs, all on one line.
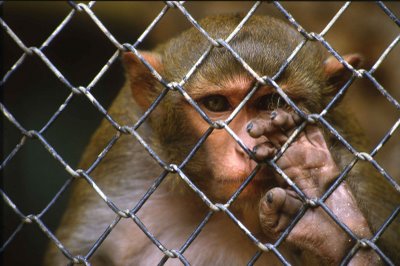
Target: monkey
{"points": [[219, 166]]}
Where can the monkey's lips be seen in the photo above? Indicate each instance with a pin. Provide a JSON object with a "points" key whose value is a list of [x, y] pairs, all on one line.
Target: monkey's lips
{"points": [[241, 180], [264, 175], [261, 181]]}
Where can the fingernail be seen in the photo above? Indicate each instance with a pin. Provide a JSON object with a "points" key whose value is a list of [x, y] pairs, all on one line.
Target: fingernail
{"points": [[270, 197], [255, 148], [249, 126], [273, 115]]}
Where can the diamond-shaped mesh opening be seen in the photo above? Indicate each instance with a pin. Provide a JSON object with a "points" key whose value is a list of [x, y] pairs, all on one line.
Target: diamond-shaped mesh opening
{"points": [[120, 204], [42, 91], [14, 53], [391, 148], [66, 50], [31, 236]]}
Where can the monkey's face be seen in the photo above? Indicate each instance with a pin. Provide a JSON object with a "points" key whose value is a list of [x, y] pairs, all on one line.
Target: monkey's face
{"points": [[225, 165]]}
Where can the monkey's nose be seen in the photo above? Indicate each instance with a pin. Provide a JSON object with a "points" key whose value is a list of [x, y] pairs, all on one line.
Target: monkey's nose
{"points": [[248, 142]]}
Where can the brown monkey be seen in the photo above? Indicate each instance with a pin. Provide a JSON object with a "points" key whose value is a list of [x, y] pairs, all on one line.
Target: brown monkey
{"points": [[220, 166]]}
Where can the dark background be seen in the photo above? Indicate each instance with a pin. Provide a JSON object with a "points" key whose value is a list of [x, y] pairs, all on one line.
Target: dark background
{"points": [[33, 93]]}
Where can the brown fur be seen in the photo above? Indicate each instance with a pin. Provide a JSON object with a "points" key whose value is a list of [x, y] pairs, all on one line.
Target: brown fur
{"points": [[170, 214]]}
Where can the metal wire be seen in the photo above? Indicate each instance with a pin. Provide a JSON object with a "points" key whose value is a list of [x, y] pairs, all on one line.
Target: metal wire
{"points": [[165, 167]]}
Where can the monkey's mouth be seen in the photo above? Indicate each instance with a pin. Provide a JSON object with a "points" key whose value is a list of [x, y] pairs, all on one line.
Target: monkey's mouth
{"points": [[264, 180], [239, 181], [261, 178]]}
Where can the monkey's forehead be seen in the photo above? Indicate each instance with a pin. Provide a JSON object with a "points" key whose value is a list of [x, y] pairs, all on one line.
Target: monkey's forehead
{"points": [[264, 43]]}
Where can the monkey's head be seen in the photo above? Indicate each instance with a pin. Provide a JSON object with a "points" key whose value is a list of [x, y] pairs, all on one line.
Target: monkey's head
{"points": [[219, 85]]}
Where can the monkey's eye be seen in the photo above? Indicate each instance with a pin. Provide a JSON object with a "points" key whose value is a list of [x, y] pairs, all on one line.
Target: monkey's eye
{"points": [[216, 103], [270, 102]]}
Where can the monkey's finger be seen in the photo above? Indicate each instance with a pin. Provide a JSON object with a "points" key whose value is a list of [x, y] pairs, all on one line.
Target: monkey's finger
{"points": [[285, 120], [292, 203], [277, 139], [277, 127], [264, 151], [275, 133], [264, 127], [257, 127], [277, 209], [270, 210], [289, 209]]}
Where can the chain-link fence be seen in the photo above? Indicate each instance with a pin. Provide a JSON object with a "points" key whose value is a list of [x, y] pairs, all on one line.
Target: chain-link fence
{"points": [[49, 94]]}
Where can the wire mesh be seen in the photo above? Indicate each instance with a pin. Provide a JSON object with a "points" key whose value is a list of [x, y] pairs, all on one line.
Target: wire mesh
{"points": [[29, 134]]}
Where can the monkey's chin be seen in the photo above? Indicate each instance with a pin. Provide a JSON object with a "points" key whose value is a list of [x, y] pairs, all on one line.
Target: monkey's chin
{"points": [[227, 186]]}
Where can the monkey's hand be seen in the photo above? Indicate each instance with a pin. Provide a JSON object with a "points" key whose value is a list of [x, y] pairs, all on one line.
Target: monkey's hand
{"points": [[309, 163]]}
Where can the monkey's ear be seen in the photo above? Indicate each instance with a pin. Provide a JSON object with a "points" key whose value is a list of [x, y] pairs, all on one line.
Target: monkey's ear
{"points": [[142, 82], [337, 74]]}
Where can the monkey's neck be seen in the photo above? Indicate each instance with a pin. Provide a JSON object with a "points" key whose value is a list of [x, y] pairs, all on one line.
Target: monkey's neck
{"points": [[246, 211]]}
